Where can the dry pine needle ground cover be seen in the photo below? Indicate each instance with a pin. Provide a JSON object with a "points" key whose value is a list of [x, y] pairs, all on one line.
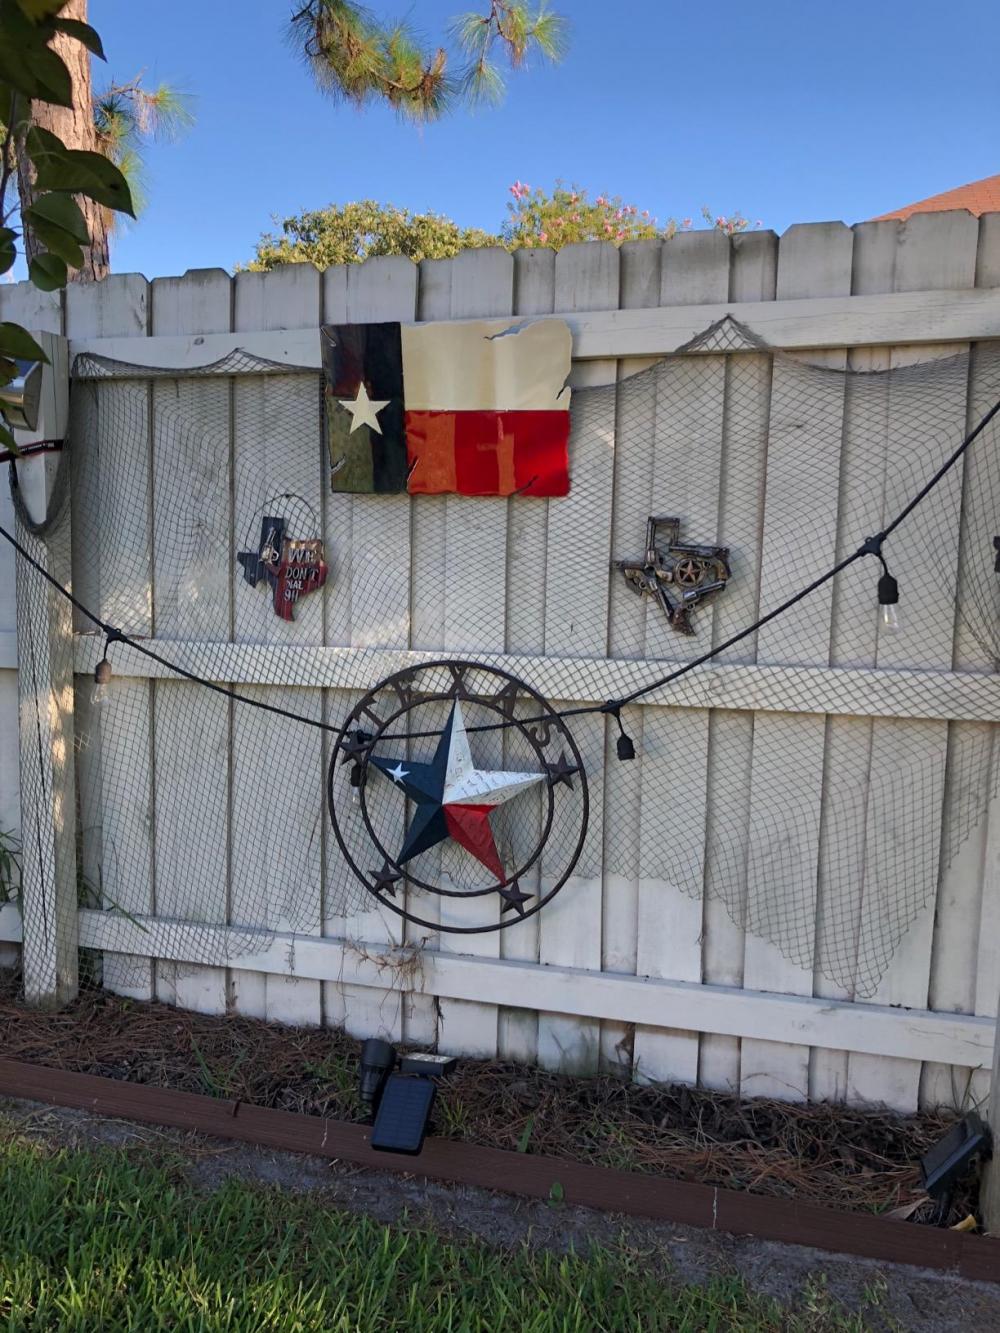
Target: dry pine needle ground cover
{"points": [[837, 1156]]}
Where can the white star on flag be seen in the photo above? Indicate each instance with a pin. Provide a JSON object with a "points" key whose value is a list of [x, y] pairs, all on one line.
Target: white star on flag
{"points": [[398, 773], [364, 410]]}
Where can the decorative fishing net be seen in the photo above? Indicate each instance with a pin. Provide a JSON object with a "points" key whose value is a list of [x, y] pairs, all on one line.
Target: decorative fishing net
{"points": [[817, 775]]}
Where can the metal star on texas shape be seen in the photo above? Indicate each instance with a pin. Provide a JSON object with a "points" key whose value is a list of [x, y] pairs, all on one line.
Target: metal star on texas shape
{"points": [[454, 799]]}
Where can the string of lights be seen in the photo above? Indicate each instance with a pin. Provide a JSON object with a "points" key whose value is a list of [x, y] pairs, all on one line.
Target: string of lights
{"points": [[887, 594]]}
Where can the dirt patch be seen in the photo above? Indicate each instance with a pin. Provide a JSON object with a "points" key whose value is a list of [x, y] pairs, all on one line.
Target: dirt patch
{"points": [[881, 1296], [834, 1155]]}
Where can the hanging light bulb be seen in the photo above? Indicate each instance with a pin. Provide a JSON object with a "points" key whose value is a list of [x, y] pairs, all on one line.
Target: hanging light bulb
{"points": [[103, 672], [102, 677], [888, 588], [888, 602]]}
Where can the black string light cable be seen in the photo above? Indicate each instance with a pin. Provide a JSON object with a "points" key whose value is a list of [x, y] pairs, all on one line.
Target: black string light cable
{"points": [[888, 594]]}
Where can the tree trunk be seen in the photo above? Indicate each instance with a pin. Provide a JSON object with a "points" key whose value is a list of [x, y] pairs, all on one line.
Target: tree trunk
{"points": [[75, 127]]}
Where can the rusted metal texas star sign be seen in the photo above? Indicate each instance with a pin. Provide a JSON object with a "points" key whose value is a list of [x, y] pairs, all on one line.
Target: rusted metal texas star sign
{"points": [[452, 778]]}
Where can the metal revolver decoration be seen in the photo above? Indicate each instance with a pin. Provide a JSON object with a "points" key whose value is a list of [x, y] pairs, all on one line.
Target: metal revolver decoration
{"points": [[677, 574]]}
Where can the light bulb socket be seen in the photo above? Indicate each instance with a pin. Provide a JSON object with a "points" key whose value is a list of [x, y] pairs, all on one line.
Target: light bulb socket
{"points": [[888, 590], [625, 748]]}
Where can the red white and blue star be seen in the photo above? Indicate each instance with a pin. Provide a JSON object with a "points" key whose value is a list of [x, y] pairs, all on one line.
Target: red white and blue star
{"points": [[454, 799]]}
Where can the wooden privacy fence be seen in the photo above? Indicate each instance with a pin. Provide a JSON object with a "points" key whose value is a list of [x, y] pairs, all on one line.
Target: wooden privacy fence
{"points": [[617, 972]]}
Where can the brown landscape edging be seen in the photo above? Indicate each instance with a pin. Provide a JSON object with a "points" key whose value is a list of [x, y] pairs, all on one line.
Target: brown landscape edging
{"points": [[582, 1184]]}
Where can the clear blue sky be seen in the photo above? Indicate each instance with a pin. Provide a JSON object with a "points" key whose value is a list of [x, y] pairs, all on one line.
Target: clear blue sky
{"points": [[789, 110]]}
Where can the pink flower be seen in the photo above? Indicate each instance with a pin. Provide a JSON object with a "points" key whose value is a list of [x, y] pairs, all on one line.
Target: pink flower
{"points": [[543, 236], [621, 236], [608, 228]]}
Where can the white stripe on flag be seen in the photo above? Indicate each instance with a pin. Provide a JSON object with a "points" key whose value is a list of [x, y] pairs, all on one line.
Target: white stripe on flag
{"points": [[466, 367]]}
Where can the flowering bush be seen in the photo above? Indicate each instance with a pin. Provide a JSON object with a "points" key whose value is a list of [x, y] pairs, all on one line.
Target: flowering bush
{"points": [[538, 218], [351, 233]]}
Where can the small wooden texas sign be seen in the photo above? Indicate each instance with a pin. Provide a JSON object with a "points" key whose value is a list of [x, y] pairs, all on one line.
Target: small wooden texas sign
{"points": [[292, 567]]}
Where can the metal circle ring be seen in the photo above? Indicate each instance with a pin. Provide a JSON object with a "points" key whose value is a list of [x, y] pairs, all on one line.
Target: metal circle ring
{"points": [[388, 719]]}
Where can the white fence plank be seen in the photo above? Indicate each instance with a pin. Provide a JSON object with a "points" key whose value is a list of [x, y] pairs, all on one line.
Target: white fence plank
{"points": [[940, 249], [788, 752], [195, 776], [267, 411], [534, 294], [475, 562], [641, 278], [361, 530], [576, 623], [686, 477]]}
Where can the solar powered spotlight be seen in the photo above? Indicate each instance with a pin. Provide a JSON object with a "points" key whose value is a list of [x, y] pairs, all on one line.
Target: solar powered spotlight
{"points": [[21, 398], [404, 1109], [378, 1060], [943, 1165], [35, 403]]}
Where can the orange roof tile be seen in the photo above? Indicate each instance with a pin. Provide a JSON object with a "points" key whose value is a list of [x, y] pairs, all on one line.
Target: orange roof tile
{"points": [[978, 197]]}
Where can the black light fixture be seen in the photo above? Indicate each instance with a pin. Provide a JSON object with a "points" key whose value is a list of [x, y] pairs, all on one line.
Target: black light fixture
{"points": [[401, 1102], [624, 746], [378, 1060], [942, 1165], [888, 588]]}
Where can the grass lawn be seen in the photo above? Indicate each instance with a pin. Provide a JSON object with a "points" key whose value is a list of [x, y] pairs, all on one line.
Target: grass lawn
{"points": [[104, 1239]]}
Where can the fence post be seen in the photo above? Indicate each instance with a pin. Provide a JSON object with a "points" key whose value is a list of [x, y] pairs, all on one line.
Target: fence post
{"points": [[46, 741], [989, 1190]]}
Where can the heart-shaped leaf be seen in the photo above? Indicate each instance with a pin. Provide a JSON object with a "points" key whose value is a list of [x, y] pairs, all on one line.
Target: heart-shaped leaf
{"points": [[16, 342], [83, 32], [59, 242], [47, 272], [59, 210], [77, 172], [26, 62]]}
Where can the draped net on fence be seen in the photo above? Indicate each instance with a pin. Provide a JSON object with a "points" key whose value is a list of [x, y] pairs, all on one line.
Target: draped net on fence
{"points": [[824, 821]]}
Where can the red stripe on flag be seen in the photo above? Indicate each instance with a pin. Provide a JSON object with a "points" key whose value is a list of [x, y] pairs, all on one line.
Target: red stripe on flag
{"points": [[488, 453]]}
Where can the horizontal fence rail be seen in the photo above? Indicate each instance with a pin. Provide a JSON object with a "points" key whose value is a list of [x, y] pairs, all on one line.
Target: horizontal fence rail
{"points": [[840, 690], [910, 318], [959, 1039]]}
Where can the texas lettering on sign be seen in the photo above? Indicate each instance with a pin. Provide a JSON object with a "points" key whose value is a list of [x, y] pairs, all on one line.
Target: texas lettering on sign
{"points": [[473, 408], [292, 567]]}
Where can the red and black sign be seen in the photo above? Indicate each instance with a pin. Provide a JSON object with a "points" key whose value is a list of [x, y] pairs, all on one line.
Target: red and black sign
{"points": [[292, 567]]}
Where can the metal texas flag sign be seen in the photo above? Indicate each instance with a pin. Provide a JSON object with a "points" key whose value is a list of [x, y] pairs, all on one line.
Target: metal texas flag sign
{"points": [[472, 408]]}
